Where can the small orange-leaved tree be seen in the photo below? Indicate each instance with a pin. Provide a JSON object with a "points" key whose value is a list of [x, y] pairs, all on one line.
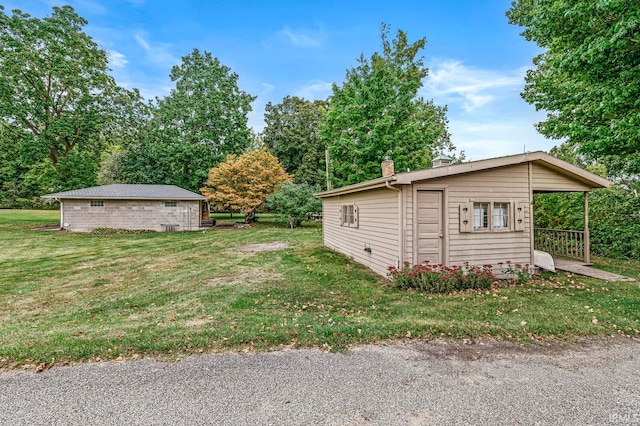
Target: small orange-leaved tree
{"points": [[242, 183]]}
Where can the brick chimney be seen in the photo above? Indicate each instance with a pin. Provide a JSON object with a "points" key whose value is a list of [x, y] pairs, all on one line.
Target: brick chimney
{"points": [[387, 167]]}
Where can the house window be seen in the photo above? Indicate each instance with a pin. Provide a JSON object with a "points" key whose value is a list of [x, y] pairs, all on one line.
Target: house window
{"points": [[170, 203], [493, 216], [500, 215], [349, 215], [480, 215], [96, 203]]}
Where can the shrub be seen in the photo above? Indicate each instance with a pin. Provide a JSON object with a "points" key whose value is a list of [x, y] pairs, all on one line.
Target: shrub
{"points": [[516, 272], [614, 219], [438, 278], [292, 203]]}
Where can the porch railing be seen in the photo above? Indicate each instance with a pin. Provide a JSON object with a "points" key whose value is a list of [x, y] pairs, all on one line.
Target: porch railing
{"points": [[560, 242]]}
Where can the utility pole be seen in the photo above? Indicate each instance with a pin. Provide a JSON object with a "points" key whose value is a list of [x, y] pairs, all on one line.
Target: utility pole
{"points": [[326, 166]]}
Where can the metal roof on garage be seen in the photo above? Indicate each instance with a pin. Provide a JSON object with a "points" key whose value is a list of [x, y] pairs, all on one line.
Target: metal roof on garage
{"points": [[123, 191]]}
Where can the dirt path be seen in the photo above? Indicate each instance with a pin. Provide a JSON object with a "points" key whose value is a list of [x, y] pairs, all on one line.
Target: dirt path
{"points": [[490, 382]]}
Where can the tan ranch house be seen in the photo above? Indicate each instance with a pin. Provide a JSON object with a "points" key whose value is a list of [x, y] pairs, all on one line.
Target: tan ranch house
{"points": [[478, 212], [131, 206]]}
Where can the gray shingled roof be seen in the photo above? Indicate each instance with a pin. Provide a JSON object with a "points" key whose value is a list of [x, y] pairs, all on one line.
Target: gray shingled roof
{"points": [[129, 192]]}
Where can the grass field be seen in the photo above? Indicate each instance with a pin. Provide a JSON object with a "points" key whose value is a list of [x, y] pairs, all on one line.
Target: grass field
{"points": [[73, 297]]}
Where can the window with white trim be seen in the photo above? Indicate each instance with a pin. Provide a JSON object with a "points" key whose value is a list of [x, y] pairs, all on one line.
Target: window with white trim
{"points": [[96, 203], [349, 215], [488, 216], [480, 216], [171, 204], [500, 215], [491, 216]]}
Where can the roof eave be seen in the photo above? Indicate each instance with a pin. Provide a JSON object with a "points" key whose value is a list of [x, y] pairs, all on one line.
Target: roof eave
{"points": [[98, 197], [408, 178], [578, 173], [362, 186], [462, 168]]}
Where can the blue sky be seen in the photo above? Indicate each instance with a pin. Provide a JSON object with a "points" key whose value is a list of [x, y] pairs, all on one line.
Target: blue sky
{"points": [[477, 60]]}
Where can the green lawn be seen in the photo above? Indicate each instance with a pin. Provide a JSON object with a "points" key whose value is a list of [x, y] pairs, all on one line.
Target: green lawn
{"points": [[628, 268], [72, 296]]}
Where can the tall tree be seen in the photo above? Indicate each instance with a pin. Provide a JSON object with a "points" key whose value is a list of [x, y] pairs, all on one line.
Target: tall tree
{"points": [[588, 76], [377, 113], [56, 98], [291, 134], [203, 120], [243, 183]]}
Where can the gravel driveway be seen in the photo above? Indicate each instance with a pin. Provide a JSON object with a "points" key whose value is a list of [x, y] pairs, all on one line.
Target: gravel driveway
{"points": [[488, 383]]}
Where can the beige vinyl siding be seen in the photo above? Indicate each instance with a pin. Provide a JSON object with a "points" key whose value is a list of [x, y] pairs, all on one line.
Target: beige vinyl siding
{"points": [[408, 227], [547, 179], [506, 184], [505, 180], [377, 228], [130, 214]]}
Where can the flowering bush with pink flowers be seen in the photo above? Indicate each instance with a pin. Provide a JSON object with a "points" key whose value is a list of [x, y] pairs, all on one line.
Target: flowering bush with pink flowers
{"points": [[438, 278]]}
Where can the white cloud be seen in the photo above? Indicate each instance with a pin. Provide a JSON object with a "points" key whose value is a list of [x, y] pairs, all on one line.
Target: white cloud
{"points": [[149, 85], [451, 81], [117, 59], [156, 53], [488, 139], [161, 55], [302, 38], [315, 89], [142, 42], [487, 116]]}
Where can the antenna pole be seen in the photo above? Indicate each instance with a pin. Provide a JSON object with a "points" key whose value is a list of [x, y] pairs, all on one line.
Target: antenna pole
{"points": [[326, 166]]}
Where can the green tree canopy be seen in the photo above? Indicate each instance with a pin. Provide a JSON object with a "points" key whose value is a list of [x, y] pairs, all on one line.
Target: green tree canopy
{"points": [[58, 104], [377, 113], [11, 170], [291, 134], [292, 203], [588, 77], [203, 120]]}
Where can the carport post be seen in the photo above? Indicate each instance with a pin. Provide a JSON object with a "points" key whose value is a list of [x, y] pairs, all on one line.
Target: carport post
{"points": [[587, 245]]}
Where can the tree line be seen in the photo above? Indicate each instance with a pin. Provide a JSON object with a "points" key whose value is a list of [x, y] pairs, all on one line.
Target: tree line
{"points": [[66, 124]]}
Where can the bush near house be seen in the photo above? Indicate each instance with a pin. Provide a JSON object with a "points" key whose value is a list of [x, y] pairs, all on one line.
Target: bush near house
{"points": [[438, 278], [292, 203]]}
